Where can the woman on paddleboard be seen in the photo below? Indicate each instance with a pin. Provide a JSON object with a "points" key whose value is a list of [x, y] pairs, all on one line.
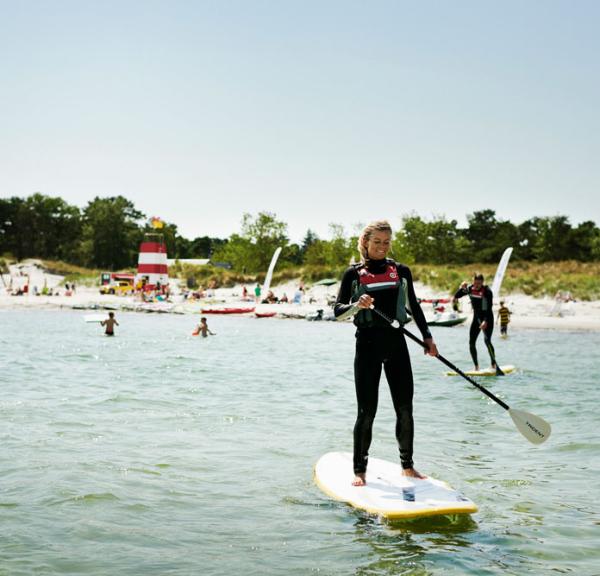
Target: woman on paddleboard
{"points": [[387, 286]]}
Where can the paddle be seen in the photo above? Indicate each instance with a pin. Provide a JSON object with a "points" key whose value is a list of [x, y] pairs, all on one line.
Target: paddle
{"points": [[534, 428]]}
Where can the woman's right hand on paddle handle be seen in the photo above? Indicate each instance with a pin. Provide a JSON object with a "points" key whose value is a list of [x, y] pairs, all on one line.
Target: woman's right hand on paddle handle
{"points": [[365, 301], [430, 347]]}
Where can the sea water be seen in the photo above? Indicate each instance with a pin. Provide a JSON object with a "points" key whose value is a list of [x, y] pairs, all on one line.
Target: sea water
{"points": [[155, 452]]}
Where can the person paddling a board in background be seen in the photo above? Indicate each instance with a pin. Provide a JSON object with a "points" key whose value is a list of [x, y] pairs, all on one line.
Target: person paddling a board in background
{"points": [[381, 282], [110, 323], [483, 317]]}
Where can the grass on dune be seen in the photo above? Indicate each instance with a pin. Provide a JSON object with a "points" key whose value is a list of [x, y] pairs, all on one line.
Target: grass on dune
{"points": [[582, 279]]}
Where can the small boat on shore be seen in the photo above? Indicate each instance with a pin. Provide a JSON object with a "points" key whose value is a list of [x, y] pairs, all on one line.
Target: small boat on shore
{"points": [[238, 310], [446, 319], [265, 314]]}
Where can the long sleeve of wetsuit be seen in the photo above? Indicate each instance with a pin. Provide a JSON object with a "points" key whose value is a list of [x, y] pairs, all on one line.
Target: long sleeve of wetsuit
{"points": [[413, 304], [342, 302]]}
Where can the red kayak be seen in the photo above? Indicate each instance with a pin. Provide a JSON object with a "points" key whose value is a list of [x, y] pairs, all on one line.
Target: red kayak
{"points": [[433, 300], [265, 314], [227, 310]]}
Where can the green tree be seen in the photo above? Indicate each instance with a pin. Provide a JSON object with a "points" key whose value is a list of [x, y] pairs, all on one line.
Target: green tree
{"points": [[527, 233], [252, 250], [410, 241], [585, 240], [112, 233], [553, 241], [438, 241], [39, 226], [292, 255], [309, 239], [481, 234], [240, 253], [205, 246]]}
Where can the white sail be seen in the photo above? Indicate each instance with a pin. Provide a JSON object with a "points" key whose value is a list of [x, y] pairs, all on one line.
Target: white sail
{"points": [[500, 273], [267, 284]]}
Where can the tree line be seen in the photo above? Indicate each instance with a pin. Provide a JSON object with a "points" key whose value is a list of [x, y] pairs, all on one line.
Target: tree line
{"points": [[107, 232]]}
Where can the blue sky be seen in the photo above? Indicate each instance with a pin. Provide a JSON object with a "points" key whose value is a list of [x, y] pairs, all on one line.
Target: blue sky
{"points": [[317, 111]]}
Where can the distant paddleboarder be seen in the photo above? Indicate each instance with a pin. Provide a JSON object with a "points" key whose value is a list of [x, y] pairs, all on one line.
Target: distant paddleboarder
{"points": [[387, 285], [110, 324], [483, 317]]}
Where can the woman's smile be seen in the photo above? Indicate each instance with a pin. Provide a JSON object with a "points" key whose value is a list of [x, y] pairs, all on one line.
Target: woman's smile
{"points": [[379, 245]]}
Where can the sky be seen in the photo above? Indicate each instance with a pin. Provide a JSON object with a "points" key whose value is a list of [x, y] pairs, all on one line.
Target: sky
{"points": [[317, 111]]}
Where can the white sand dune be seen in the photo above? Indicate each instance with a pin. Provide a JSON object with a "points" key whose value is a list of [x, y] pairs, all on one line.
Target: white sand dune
{"points": [[527, 312]]}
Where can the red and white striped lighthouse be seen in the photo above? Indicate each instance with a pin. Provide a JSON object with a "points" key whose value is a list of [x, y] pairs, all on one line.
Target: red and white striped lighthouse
{"points": [[152, 261]]}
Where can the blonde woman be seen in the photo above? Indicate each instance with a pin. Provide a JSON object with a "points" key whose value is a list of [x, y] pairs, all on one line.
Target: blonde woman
{"points": [[380, 282]]}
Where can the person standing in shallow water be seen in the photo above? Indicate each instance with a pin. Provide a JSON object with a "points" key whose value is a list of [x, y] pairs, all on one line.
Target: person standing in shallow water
{"points": [[383, 283], [110, 324], [504, 317], [203, 328]]}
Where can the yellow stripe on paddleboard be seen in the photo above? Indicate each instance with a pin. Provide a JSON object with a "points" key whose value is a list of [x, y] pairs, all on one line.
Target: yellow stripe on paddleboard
{"points": [[487, 372]]}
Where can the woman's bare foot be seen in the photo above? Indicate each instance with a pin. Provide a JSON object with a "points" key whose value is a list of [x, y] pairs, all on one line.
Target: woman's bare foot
{"points": [[412, 473], [360, 480]]}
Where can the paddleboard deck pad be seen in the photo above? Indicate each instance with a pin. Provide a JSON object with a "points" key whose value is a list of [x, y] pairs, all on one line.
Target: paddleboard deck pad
{"points": [[387, 493], [507, 369]]}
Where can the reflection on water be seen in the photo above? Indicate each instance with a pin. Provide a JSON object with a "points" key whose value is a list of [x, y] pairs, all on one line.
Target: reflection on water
{"points": [[404, 547]]}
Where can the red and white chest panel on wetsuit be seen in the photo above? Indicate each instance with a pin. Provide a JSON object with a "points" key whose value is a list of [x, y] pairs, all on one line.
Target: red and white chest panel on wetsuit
{"points": [[370, 281]]}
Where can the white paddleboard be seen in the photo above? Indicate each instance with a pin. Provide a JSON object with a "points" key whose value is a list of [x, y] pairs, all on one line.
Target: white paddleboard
{"points": [[388, 494], [507, 369], [95, 317]]}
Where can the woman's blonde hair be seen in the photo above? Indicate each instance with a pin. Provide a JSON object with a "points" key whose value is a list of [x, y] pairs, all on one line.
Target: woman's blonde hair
{"points": [[365, 235]]}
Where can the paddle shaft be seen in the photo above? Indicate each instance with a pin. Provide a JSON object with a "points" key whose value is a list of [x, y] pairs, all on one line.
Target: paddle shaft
{"points": [[446, 362]]}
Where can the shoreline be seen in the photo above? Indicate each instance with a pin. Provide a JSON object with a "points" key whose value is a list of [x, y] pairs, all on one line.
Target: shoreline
{"points": [[527, 312]]}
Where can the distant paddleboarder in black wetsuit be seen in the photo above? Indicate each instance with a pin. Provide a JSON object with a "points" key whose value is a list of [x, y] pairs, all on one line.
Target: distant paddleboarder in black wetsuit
{"points": [[483, 317], [381, 282]]}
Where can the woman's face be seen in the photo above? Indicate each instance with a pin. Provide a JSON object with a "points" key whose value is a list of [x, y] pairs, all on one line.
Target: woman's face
{"points": [[378, 245]]}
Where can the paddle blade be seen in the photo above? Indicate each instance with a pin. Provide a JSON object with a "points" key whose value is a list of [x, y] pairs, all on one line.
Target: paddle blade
{"points": [[534, 428]]}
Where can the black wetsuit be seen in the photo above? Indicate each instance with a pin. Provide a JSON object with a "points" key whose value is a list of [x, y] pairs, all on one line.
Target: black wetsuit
{"points": [[377, 345], [481, 301]]}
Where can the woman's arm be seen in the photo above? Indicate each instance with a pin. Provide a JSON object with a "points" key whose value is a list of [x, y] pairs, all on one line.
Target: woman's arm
{"points": [[342, 302], [415, 307]]}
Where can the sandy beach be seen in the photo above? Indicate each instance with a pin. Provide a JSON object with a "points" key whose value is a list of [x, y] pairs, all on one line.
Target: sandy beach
{"points": [[527, 312]]}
